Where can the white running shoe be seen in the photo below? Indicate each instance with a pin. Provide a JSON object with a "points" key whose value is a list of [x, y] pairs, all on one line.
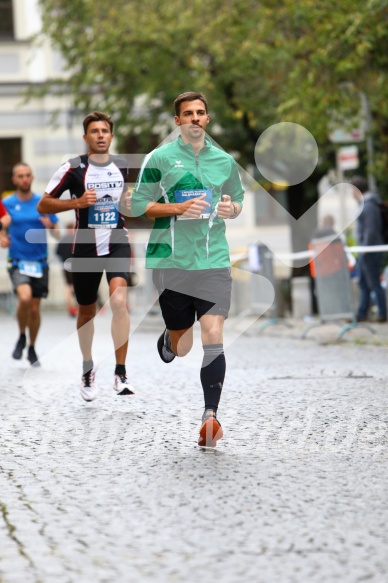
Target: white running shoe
{"points": [[122, 386], [89, 388]]}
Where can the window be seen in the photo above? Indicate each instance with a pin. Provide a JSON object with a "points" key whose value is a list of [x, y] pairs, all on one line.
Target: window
{"points": [[10, 154], [6, 19]]}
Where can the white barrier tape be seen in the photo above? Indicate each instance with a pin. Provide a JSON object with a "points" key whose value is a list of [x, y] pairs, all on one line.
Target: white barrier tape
{"points": [[299, 255], [310, 254], [353, 249], [371, 249]]}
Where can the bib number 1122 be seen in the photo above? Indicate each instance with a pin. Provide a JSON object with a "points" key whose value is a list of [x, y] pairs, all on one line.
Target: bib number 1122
{"points": [[104, 217]]}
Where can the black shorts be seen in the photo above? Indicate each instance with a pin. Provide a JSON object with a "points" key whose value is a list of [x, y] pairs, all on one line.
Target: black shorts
{"points": [[39, 285], [87, 272], [185, 295]]}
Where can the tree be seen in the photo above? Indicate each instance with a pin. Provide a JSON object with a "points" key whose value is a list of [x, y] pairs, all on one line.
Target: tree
{"points": [[340, 52], [117, 52], [259, 63]]}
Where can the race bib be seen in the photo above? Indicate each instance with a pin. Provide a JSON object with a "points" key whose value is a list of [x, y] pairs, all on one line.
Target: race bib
{"points": [[30, 268], [103, 214], [184, 195]]}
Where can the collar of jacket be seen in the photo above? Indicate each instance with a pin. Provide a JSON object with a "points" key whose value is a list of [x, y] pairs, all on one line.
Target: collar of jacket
{"points": [[188, 146]]}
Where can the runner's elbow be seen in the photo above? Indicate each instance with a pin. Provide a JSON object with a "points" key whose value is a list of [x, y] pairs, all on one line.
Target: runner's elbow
{"points": [[42, 206]]}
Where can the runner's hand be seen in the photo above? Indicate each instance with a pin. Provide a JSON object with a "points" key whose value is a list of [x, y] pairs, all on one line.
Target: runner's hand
{"points": [[88, 198], [46, 222], [126, 201], [194, 207], [4, 241], [127, 198], [124, 206], [224, 208]]}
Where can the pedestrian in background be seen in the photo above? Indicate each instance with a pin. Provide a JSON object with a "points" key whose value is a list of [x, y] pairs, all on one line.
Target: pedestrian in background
{"points": [[27, 257], [64, 251], [369, 233], [190, 186]]}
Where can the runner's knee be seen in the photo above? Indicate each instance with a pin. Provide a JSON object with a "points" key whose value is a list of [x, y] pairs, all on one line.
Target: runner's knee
{"points": [[212, 335], [87, 312], [118, 303]]}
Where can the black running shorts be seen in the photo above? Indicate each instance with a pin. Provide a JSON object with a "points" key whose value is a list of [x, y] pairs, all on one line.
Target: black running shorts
{"points": [[186, 295], [87, 272], [39, 285]]}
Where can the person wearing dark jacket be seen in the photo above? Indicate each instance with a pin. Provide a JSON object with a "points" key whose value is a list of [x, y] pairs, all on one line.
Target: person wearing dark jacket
{"points": [[369, 233]]}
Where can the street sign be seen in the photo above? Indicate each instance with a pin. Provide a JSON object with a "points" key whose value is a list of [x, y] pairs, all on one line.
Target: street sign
{"points": [[343, 136], [347, 158], [345, 130]]}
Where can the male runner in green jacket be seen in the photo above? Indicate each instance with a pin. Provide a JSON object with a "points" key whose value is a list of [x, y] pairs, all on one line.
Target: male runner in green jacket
{"points": [[189, 186]]}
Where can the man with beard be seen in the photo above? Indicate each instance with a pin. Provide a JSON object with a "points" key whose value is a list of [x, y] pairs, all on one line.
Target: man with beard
{"points": [[189, 187], [27, 257]]}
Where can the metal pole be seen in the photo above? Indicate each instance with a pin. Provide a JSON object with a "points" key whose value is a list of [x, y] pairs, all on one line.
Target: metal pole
{"points": [[341, 193], [369, 141]]}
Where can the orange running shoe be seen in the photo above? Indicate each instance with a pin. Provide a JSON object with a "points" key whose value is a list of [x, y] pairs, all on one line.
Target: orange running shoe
{"points": [[73, 311], [211, 430]]}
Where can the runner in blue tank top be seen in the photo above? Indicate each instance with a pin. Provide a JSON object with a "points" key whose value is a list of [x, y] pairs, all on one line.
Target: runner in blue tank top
{"points": [[27, 257]]}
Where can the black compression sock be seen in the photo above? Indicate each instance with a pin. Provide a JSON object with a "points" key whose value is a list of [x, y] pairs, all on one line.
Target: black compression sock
{"points": [[213, 374], [87, 365], [120, 369]]}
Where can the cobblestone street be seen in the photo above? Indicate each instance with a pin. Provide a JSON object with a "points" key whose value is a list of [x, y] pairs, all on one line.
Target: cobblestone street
{"points": [[118, 491]]}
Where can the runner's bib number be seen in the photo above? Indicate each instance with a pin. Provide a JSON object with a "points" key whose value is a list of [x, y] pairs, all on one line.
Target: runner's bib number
{"points": [[184, 195], [30, 268], [103, 215]]}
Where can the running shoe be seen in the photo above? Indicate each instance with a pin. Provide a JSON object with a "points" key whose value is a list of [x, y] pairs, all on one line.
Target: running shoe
{"points": [[89, 388], [32, 356], [20, 345], [211, 430], [163, 345], [122, 386]]}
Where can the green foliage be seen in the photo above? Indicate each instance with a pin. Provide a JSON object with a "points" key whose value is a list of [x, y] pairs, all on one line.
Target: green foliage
{"points": [[258, 62]]}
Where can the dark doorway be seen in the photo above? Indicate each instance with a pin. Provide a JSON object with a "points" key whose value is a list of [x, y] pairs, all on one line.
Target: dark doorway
{"points": [[10, 154]]}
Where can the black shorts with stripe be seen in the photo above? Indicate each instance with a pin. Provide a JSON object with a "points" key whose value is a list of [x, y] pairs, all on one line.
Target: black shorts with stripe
{"points": [[186, 295], [87, 272]]}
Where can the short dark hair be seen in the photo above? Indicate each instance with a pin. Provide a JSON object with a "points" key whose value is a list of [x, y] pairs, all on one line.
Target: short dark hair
{"points": [[97, 116], [188, 96], [360, 182], [18, 164]]}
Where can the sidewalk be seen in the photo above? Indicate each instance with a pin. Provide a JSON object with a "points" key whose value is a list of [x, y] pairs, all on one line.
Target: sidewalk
{"points": [[374, 334]]}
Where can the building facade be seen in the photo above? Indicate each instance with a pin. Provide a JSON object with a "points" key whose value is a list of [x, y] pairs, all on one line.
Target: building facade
{"points": [[27, 131]]}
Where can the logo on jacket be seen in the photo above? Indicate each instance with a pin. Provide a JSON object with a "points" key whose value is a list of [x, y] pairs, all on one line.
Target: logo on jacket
{"points": [[178, 164]]}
